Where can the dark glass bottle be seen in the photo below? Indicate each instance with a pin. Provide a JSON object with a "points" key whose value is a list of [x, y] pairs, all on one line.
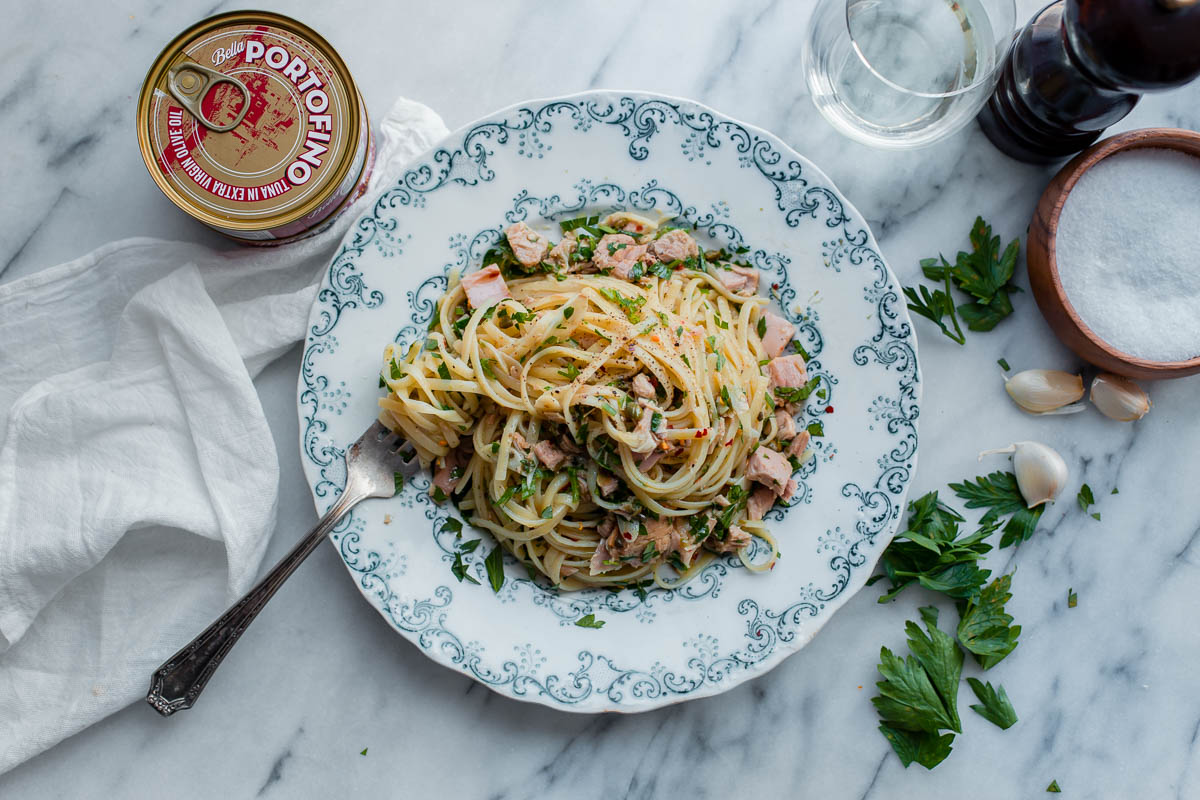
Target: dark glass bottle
{"points": [[1078, 67]]}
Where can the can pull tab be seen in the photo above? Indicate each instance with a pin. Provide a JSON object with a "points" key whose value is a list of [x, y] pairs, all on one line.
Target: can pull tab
{"points": [[189, 82]]}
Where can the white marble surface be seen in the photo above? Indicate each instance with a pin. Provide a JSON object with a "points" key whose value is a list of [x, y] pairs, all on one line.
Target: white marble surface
{"points": [[1106, 692]]}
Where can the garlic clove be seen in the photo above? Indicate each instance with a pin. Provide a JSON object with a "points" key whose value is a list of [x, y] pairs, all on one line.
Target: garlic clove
{"points": [[1119, 398], [1040, 391], [1040, 470]]}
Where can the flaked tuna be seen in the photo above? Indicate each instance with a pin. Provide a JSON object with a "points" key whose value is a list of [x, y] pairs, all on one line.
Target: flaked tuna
{"points": [[770, 469], [548, 454], [779, 332], [527, 245], [674, 246], [485, 288], [617, 253], [739, 280], [787, 371]]}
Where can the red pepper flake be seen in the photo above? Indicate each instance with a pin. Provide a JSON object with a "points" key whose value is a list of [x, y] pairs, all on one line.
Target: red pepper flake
{"points": [[729, 443], [828, 409], [774, 285], [700, 434]]}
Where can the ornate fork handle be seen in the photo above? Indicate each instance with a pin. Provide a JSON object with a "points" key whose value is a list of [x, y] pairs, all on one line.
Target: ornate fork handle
{"points": [[180, 680]]}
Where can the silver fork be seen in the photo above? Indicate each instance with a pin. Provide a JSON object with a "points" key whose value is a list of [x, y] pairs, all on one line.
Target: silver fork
{"points": [[372, 464]]}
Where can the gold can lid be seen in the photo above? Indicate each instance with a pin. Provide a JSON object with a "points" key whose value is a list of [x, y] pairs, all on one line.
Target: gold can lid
{"points": [[249, 120]]}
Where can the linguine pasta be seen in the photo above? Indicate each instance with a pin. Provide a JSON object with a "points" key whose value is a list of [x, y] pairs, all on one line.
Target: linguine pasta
{"points": [[612, 409]]}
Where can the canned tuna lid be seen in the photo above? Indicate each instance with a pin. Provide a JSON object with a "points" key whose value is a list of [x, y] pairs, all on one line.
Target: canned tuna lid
{"points": [[250, 121]]}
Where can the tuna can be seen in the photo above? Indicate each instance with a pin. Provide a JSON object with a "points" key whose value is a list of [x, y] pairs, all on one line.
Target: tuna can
{"points": [[250, 122]]}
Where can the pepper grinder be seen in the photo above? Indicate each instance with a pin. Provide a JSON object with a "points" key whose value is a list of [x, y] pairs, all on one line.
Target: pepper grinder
{"points": [[1079, 66]]}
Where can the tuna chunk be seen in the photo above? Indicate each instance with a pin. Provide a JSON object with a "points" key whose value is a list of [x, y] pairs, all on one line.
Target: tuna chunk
{"points": [[642, 386], [617, 252], [738, 280], [450, 472], [787, 371], [548, 454], [799, 445], [529, 247], [560, 254], [607, 483], [735, 540], [759, 502], [779, 333], [643, 438], [770, 469], [649, 461], [664, 535], [485, 287], [674, 246], [785, 424], [597, 565]]}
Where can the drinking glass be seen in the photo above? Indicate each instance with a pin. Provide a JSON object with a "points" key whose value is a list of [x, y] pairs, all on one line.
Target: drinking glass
{"points": [[905, 73]]}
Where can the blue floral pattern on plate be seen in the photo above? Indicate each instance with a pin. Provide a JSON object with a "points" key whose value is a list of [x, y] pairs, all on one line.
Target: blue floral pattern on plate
{"points": [[738, 186]]}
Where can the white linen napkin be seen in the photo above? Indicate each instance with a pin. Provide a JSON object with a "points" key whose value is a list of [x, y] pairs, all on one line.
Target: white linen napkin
{"points": [[138, 478]]}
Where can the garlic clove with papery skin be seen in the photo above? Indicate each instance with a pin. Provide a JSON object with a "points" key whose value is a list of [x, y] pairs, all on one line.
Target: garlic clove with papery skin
{"points": [[1119, 398], [1040, 470], [1045, 391]]}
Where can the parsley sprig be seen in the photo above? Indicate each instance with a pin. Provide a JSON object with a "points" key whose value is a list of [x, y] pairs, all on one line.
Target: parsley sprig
{"points": [[918, 696], [932, 552], [985, 275], [917, 700], [994, 707], [999, 494], [984, 628]]}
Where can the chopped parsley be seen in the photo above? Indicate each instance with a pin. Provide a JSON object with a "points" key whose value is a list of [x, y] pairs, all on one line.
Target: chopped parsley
{"points": [[797, 394], [816, 428], [589, 621], [486, 363], [443, 371], [1072, 598], [459, 569], [573, 475], [494, 564], [398, 482], [569, 225], [629, 305], [994, 705], [1004, 365], [452, 525], [762, 327]]}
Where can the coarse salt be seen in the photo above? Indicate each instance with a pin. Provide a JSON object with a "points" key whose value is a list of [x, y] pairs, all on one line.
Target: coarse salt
{"points": [[1128, 252]]}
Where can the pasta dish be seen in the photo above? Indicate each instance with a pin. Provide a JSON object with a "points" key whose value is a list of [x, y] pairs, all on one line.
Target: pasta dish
{"points": [[615, 407]]}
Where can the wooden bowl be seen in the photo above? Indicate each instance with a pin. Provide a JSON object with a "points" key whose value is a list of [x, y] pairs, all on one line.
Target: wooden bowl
{"points": [[1043, 269]]}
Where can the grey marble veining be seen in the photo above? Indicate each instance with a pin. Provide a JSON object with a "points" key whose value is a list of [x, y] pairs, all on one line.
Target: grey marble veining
{"points": [[1106, 692]]}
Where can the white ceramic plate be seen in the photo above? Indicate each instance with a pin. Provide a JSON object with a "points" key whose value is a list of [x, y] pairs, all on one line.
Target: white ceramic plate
{"points": [[549, 160]]}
